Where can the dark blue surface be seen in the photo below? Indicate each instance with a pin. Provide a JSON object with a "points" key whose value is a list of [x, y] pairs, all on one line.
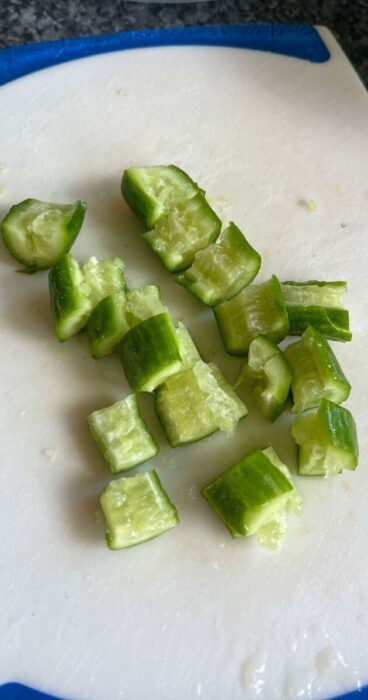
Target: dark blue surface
{"points": [[295, 40], [298, 41]]}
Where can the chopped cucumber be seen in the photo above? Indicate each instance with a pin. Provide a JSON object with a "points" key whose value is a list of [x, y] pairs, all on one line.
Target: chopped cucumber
{"points": [[136, 509], [327, 441], [122, 435], [256, 310], [316, 372], [253, 496], [221, 270], [317, 304], [103, 277], [150, 353], [38, 234], [143, 303], [186, 228], [107, 325], [70, 304], [195, 403], [269, 376], [187, 348], [150, 192]]}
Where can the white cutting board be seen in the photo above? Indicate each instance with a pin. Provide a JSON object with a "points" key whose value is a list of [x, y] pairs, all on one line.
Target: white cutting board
{"points": [[192, 613]]}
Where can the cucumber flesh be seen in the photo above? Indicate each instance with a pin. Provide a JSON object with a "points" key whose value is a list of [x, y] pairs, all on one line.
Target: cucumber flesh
{"points": [[38, 234], [150, 192], [107, 325], [103, 277], [221, 270], [70, 304], [186, 228], [195, 403], [253, 496], [150, 353], [316, 372], [187, 348], [268, 375], [122, 435], [143, 303], [317, 304], [327, 441], [256, 310], [136, 509]]}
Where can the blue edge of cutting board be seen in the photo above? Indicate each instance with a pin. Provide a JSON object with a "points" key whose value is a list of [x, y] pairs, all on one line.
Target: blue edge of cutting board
{"points": [[293, 40]]}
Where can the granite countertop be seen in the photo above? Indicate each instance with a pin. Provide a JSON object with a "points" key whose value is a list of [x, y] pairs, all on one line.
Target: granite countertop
{"points": [[24, 21]]}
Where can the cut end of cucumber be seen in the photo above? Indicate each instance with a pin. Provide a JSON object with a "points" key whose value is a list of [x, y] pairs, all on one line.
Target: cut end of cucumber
{"points": [[122, 435], [103, 277], [136, 509], [253, 497], [187, 348], [143, 303]]}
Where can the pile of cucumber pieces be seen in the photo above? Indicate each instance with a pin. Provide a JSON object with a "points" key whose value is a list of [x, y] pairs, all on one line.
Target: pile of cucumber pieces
{"points": [[192, 398]]}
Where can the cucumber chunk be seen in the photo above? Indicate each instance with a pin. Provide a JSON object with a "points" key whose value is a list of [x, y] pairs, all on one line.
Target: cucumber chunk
{"points": [[317, 304], [253, 497], [256, 310], [143, 303], [187, 348], [103, 277], [327, 440], [196, 402], [150, 353], [38, 234], [316, 372], [122, 435], [70, 303], [150, 192], [186, 228], [107, 325], [136, 509], [268, 375], [221, 270]]}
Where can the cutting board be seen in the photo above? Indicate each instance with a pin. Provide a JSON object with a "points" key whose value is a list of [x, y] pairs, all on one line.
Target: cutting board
{"points": [[279, 141]]}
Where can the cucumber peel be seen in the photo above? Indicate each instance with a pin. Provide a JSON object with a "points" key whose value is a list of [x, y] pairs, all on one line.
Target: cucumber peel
{"points": [[317, 304]]}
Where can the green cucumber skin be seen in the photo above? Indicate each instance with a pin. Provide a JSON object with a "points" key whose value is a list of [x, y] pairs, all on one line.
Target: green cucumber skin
{"points": [[333, 323], [142, 204], [65, 296], [71, 230], [248, 485], [224, 317], [340, 426], [148, 347], [106, 326]]}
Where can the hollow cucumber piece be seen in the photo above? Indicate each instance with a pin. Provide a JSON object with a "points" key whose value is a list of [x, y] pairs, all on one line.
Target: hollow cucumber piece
{"points": [[317, 304], [221, 270], [150, 353], [253, 497], [186, 228], [107, 325], [196, 402], [268, 375], [136, 509], [122, 435], [37, 234], [143, 303], [316, 372], [327, 440], [70, 304], [256, 310], [150, 192], [103, 277]]}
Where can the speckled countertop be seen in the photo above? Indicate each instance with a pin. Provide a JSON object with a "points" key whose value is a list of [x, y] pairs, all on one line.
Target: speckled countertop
{"points": [[24, 21]]}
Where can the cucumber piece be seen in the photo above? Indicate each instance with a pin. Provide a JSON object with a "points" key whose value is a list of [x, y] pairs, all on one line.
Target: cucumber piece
{"points": [[38, 234], [327, 441], [143, 303], [107, 325], [316, 372], [195, 403], [256, 310], [70, 303], [136, 509], [317, 304], [268, 375], [187, 348], [150, 192], [253, 497], [103, 277], [150, 353], [221, 270], [122, 435], [186, 228]]}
